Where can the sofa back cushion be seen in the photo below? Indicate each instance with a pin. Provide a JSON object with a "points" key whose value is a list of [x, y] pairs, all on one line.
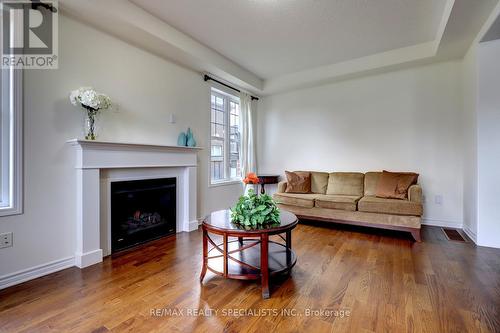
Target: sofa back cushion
{"points": [[298, 182], [371, 182], [345, 183], [394, 185], [319, 182]]}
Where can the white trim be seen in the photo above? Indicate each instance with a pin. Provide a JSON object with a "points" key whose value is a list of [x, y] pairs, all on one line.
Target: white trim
{"points": [[16, 145], [88, 259], [193, 225], [15, 134], [184, 188], [471, 234], [35, 272], [441, 223], [226, 182], [94, 158], [123, 145]]}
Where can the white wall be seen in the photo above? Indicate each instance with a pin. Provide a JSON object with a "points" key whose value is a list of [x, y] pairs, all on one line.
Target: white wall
{"points": [[469, 93], [408, 120], [147, 88], [488, 144]]}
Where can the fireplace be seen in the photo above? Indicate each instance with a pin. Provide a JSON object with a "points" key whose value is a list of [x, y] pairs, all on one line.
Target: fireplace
{"points": [[141, 211]]}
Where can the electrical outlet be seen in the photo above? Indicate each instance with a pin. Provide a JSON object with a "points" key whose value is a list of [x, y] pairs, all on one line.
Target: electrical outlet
{"points": [[5, 240], [438, 199]]}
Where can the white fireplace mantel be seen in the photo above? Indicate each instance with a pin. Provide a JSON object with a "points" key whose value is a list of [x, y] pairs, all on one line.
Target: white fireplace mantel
{"points": [[94, 156]]}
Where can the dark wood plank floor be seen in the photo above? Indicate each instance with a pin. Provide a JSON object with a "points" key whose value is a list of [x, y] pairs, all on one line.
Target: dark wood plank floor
{"points": [[364, 281]]}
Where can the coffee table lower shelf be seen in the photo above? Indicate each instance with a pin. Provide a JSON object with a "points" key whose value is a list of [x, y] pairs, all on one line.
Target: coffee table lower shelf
{"points": [[277, 260]]}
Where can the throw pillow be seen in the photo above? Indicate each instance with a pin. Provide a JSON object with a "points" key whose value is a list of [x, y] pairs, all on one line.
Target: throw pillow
{"points": [[395, 185], [298, 182]]}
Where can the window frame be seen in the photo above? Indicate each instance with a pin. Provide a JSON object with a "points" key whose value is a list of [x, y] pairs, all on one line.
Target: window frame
{"points": [[228, 97], [11, 153]]}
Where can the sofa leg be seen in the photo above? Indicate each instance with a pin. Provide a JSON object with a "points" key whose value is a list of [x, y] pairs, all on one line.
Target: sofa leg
{"points": [[416, 235]]}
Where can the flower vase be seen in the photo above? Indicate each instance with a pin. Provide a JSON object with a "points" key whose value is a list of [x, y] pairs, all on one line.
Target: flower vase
{"points": [[90, 128]]}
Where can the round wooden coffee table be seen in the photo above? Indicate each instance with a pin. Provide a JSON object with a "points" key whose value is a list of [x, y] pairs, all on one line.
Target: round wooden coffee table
{"points": [[251, 255]]}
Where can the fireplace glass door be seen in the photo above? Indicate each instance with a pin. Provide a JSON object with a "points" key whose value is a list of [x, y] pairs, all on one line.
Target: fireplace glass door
{"points": [[141, 211]]}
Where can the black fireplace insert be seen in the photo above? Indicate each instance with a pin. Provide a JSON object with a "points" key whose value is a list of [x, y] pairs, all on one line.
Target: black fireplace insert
{"points": [[141, 211]]}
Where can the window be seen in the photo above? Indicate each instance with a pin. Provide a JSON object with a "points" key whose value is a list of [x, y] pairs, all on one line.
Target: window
{"points": [[225, 140], [10, 141]]}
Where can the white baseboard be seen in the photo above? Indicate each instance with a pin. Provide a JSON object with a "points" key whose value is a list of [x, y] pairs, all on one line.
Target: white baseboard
{"points": [[35, 272], [470, 234], [86, 259], [193, 225], [442, 223]]}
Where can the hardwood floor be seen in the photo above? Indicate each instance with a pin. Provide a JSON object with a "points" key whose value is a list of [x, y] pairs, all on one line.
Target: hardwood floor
{"points": [[380, 281]]}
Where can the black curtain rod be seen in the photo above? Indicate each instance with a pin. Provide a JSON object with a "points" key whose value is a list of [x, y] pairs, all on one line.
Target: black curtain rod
{"points": [[208, 78]]}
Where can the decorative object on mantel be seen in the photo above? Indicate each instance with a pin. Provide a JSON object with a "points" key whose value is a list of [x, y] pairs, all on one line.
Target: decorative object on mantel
{"points": [[181, 140], [190, 141], [92, 102], [186, 139], [252, 210]]}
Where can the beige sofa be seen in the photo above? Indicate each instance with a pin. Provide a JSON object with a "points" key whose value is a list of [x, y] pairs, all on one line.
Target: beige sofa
{"points": [[349, 197]]}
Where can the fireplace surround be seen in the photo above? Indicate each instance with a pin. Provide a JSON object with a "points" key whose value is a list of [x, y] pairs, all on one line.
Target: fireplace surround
{"points": [[99, 164]]}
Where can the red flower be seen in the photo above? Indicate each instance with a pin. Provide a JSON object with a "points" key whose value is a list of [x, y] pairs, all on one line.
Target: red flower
{"points": [[251, 178]]}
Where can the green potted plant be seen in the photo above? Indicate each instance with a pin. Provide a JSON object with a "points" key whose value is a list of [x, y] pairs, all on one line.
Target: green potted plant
{"points": [[254, 211]]}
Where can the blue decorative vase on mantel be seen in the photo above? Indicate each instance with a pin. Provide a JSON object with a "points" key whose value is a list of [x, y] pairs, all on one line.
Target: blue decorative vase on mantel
{"points": [[182, 140], [190, 141]]}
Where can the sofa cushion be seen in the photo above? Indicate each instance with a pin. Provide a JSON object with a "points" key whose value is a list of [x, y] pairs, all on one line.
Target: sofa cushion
{"points": [[371, 182], [296, 199], [394, 185], [389, 206], [344, 202], [380, 220], [319, 182], [345, 183], [298, 182]]}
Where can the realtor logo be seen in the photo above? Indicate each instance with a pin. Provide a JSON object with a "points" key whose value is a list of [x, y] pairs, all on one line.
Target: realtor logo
{"points": [[29, 34]]}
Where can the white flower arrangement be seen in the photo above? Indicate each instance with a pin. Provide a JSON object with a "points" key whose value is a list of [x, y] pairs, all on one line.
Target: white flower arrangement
{"points": [[90, 99], [92, 102]]}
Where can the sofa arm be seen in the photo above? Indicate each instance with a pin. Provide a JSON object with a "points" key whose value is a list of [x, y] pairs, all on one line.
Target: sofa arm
{"points": [[415, 193], [282, 187]]}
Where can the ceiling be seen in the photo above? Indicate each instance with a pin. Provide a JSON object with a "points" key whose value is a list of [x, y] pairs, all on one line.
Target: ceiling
{"points": [[272, 46], [493, 32], [271, 38]]}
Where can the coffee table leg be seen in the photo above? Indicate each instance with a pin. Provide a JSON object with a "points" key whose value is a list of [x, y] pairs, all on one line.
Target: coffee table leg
{"points": [[264, 265], [225, 256], [205, 256], [289, 248]]}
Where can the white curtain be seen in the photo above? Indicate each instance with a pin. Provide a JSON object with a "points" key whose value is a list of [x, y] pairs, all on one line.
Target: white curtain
{"points": [[248, 160]]}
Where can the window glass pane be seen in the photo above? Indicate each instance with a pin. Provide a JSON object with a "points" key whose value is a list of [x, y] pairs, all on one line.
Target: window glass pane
{"points": [[217, 149], [219, 103], [219, 131], [233, 120], [219, 117], [226, 139], [217, 170], [234, 140], [10, 134], [4, 139]]}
